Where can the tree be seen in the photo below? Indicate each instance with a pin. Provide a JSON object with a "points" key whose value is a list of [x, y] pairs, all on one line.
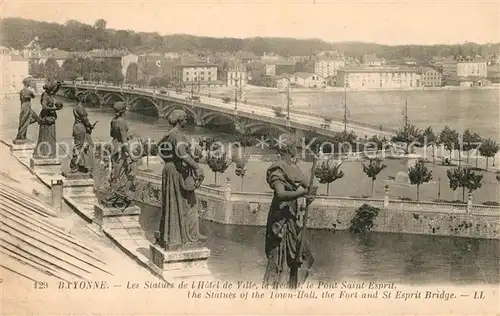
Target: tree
{"points": [[100, 24], [240, 170], [488, 148], [218, 161], [464, 178], [372, 170], [429, 138], [470, 141], [379, 142], [345, 140], [35, 69], [326, 173], [418, 175], [410, 135], [51, 69], [450, 140]]}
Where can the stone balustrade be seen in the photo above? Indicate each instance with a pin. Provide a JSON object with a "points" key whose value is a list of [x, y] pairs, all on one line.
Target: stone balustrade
{"points": [[228, 206]]}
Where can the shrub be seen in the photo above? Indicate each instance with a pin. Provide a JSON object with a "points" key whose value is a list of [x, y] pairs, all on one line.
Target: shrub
{"points": [[363, 220]]}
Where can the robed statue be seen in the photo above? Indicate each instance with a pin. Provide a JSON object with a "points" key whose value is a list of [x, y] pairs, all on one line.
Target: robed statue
{"points": [[81, 161], [27, 116], [124, 158], [181, 176], [47, 143], [285, 221]]}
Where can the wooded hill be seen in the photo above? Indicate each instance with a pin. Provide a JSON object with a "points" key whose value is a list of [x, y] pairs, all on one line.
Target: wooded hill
{"points": [[76, 36]]}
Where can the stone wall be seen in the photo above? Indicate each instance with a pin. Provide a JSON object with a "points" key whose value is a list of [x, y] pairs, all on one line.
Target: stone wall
{"points": [[223, 205]]}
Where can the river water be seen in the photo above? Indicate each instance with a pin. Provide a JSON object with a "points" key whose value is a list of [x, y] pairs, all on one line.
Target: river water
{"points": [[477, 109], [401, 258], [239, 250]]}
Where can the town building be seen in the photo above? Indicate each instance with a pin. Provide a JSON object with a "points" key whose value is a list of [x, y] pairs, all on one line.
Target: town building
{"points": [[378, 77], [472, 67], [463, 67], [195, 72], [328, 66], [300, 79], [41, 56], [126, 61], [154, 65], [270, 57], [237, 74], [279, 68], [469, 81], [494, 73], [373, 60], [13, 70], [430, 77]]}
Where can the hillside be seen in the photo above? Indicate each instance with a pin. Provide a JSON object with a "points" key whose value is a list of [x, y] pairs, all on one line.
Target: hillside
{"points": [[76, 36]]}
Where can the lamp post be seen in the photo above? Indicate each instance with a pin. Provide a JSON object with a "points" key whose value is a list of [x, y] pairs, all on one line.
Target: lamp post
{"points": [[288, 99], [345, 107], [235, 93]]}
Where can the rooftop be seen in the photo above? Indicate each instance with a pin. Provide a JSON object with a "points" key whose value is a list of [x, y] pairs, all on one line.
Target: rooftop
{"points": [[17, 58], [379, 69], [196, 65]]}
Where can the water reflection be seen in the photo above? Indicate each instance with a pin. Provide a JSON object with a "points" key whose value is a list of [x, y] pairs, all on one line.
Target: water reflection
{"points": [[410, 259]]}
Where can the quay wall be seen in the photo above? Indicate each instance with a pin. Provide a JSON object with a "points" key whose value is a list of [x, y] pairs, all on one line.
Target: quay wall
{"points": [[228, 206]]}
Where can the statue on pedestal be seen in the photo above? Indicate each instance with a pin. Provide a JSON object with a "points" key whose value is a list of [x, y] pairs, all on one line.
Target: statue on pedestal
{"points": [[46, 146], [27, 116], [123, 162], [285, 219], [181, 176], [81, 161]]}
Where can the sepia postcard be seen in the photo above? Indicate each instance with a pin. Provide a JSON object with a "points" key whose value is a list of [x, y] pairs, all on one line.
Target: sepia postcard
{"points": [[249, 157]]}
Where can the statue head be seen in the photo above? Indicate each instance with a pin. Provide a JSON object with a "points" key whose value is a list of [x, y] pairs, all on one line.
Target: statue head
{"points": [[177, 117], [287, 147], [120, 108], [51, 86], [27, 82]]}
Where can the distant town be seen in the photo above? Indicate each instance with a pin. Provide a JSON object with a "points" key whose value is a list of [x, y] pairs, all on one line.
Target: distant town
{"points": [[238, 69]]}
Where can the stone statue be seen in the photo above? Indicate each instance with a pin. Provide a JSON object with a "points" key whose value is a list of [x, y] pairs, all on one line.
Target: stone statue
{"points": [[124, 158], [46, 146], [181, 176], [81, 161], [284, 221], [27, 116]]}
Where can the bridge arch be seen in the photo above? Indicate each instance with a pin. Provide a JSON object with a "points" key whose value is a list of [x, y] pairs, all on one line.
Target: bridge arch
{"points": [[86, 93], [113, 97], [165, 112], [144, 105], [208, 118], [267, 129]]}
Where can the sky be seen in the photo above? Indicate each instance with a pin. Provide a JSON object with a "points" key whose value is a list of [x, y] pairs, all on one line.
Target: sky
{"points": [[383, 22]]}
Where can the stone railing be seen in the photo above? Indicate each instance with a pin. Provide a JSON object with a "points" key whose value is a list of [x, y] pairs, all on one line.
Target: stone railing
{"points": [[228, 206], [325, 201]]}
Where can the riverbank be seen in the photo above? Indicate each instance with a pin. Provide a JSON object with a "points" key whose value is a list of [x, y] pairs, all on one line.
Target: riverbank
{"points": [[255, 89]]}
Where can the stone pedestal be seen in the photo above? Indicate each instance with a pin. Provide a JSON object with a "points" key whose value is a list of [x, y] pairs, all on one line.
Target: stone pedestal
{"points": [[46, 166], [22, 149], [408, 162], [115, 219], [79, 187], [182, 263], [146, 163]]}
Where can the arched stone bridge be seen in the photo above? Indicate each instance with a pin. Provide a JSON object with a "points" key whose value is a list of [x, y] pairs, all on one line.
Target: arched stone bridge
{"points": [[207, 110]]}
